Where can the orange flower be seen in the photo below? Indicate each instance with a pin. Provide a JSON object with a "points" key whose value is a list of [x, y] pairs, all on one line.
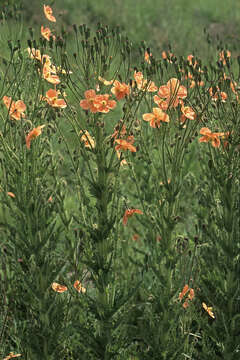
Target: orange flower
{"points": [[217, 94], [120, 90], [78, 286], [52, 99], [224, 55], [172, 92], [16, 109], [128, 213], [48, 13], [125, 145], [190, 58], [12, 195], [49, 74], [59, 288], [147, 57], [208, 310], [210, 136], [184, 291], [46, 33], [36, 54], [167, 56], [103, 103], [88, 102], [163, 104], [105, 82], [11, 356], [143, 84], [87, 139], [191, 294], [187, 113], [185, 304], [33, 134], [156, 117]]}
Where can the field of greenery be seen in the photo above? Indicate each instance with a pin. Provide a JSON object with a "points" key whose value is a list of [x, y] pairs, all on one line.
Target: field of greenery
{"points": [[120, 168]]}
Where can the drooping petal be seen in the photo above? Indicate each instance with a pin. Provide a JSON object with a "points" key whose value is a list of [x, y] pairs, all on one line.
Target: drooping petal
{"points": [[49, 13]]}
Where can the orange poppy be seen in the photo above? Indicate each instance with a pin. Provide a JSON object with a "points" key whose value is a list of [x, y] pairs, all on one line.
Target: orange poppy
{"points": [[52, 99], [156, 117], [163, 104], [33, 134], [125, 145], [87, 139], [59, 288], [128, 213], [187, 113], [103, 103], [88, 102], [172, 92], [49, 74], [16, 109], [120, 90], [210, 136], [46, 33], [143, 84], [48, 13], [208, 310], [78, 286]]}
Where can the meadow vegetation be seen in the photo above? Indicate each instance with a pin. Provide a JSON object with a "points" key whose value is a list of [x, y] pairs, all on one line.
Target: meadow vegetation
{"points": [[120, 170]]}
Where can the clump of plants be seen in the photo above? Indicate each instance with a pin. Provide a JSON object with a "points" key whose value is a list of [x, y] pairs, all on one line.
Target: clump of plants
{"points": [[119, 212]]}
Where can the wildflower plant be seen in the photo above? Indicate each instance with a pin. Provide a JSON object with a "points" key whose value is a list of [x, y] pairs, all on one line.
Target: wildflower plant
{"points": [[119, 199]]}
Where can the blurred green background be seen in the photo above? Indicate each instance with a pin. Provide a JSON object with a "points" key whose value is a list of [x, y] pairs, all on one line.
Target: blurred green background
{"points": [[180, 23]]}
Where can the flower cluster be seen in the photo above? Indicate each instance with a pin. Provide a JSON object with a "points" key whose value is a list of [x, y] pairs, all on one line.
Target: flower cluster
{"points": [[61, 288], [190, 296], [97, 103]]}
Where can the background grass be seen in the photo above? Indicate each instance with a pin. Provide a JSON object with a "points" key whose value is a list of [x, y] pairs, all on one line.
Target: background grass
{"points": [[160, 23]]}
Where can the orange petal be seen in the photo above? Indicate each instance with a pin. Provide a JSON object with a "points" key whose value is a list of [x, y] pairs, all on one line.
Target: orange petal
{"points": [[59, 288], [78, 286], [48, 13]]}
